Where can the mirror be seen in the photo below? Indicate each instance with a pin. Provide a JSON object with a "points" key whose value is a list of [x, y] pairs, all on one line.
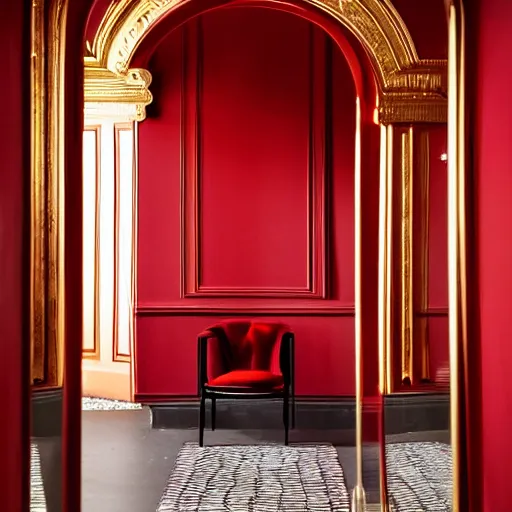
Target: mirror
{"points": [[415, 405], [171, 310]]}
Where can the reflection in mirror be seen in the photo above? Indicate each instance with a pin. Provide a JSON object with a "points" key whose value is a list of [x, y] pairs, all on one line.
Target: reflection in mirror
{"points": [[417, 465], [46, 450], [45, 370]]}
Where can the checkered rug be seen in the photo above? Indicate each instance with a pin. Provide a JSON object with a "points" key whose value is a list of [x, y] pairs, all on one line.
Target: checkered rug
{"points": [[263, 478], [419, 476]]}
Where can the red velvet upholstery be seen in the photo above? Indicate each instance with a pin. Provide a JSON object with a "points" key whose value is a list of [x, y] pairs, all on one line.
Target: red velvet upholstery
{"points": [[246, 359], [251, 379], [244, 353]]}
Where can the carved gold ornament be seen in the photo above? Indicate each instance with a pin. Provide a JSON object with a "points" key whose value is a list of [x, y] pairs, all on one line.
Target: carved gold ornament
{"points": [[411, 89]]}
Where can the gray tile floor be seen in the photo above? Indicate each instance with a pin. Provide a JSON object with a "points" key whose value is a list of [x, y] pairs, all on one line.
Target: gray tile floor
{"points": [[126, 463]]}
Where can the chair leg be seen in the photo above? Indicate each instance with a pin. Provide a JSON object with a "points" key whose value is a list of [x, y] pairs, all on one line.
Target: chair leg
{"points": [[202, 408], [286, 414], [293, 411], [214, 412]]}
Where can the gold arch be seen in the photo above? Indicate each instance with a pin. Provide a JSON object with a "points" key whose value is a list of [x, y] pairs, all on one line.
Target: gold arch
{"points": [[411, 89]]}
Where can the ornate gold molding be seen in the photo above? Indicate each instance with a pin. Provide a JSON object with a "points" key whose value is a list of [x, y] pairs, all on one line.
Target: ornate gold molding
{"points": [[385, 258], [407, 309], [54, 169], [38, 198], [411, 89], [102, 88]]}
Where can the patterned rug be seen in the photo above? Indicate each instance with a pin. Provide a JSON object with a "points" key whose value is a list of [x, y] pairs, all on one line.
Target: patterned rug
{"points": [[105, 404], [256, 478], [419, 476], [37, 498]]}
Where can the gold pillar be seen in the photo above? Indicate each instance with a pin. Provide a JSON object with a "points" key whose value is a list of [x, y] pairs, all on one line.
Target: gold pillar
{"points": [[457, 292], [421, 259], [43, 218], [46, 241], [407, 304], [385, 258], [38, 198]]}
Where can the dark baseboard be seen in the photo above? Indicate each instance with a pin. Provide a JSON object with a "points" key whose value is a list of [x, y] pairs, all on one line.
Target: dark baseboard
{"points": [[416, 412], [404, 413], [47, 413]]}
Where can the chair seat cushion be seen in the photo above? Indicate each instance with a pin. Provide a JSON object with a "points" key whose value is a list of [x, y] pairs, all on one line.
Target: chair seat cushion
{"points": [[248, 379]]}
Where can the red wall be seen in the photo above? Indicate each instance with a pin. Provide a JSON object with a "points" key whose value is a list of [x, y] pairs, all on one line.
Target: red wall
{"points": [[246, 196], [490, 79], [426, 22], [14, 208]]}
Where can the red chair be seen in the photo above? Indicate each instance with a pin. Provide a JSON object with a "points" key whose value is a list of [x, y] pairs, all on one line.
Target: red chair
{"points": [[246, 359]]}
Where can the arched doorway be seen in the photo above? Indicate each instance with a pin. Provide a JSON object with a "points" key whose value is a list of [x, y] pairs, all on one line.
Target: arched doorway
{"points": [[394, 64]]}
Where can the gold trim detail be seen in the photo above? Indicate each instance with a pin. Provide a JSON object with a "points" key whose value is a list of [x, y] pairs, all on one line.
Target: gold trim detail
{"points": [[457, 311], [102, 86], [135, 237], [407, 310], [411, 89], [403, 108], [358, 494], [385, 257], [421, 258], [56, 134], [38, 198]]}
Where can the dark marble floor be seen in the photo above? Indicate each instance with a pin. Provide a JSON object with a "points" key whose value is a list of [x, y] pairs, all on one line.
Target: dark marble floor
{"points": [[126, 463]]}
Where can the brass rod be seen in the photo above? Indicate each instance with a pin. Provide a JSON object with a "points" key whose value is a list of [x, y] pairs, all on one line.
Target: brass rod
{"points": [[456, 214], [358, 497], [389, 256], [382, 260]]}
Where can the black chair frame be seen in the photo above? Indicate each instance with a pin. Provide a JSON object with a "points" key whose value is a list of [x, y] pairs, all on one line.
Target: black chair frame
{"points": [[287, 394]]}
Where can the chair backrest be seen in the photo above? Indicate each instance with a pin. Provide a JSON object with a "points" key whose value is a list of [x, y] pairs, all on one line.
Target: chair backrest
{"points": [[250, 344]]}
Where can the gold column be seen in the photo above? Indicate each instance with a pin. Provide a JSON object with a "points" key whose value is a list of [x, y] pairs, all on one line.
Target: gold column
{"points": [[421, 260], [407, 303], [389, 257], [55, 188], [46, 242], [456, 240], [385, 258], [38, 198]]}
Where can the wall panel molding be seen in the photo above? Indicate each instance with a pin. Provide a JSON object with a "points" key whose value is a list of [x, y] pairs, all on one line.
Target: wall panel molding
{"points": [[119, 355], [208, 309], [317, 164], [420, 256], [94, 351], [432, 312]]}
